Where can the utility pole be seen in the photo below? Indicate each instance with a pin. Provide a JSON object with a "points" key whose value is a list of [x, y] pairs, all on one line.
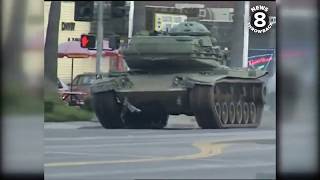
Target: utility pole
{"points": [[240, 35], [99, 37], [131, 12], [245, 34]]}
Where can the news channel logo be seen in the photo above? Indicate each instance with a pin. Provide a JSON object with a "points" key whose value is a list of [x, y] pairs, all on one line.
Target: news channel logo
{"points": [[260, 20]]}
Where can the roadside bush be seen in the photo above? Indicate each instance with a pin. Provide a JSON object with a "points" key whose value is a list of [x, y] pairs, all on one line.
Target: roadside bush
{"points": [[18, 100], [59, 111], [87, 105]]}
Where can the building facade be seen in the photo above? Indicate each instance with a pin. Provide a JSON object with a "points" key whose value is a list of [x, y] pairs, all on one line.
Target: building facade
{"points": [[70, 30]]}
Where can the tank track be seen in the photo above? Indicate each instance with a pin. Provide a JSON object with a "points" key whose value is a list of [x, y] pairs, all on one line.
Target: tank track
{"points": [[111, 114], [152, 116], [107, 110], [230, 103]]}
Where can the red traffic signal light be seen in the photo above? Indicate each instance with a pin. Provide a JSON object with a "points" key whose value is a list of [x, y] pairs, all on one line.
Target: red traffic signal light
{"points": [[88, 41]]}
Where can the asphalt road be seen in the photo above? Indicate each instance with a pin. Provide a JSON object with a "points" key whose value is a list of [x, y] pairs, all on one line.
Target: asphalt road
{"points": [[182, 150]]}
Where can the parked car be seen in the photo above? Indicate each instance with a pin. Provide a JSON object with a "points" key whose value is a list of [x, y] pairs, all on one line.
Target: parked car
{"points": [[62, 89], [68, 96], [81, 83]]}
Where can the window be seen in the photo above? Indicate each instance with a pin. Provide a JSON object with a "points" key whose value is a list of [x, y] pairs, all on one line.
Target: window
{"points": [[202, 13], [177, 19], [166, 19], [59, 84], [167, 27], [75, 81], [86, 80]]}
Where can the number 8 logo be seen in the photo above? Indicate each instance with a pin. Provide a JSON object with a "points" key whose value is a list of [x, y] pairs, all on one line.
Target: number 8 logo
{"points": [[259, 19]]}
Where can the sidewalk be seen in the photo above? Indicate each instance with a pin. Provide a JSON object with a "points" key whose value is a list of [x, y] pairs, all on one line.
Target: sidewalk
{"points": [[71, 125]]}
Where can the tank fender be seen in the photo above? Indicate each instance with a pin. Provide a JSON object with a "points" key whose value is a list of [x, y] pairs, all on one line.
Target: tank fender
{"points": [[110, 84], [201, 80]]}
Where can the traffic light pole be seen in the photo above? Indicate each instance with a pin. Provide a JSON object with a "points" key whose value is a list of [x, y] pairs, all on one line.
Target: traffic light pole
{"points": [[245, 34], [131, 13], [99, 37]]}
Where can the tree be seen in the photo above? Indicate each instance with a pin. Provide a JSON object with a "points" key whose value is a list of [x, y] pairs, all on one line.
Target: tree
{"points": [[54, 108], [50, 50], [13, 45]]}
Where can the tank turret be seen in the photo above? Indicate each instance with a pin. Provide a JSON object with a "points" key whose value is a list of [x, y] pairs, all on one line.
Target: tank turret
{"points": [[187, 46], [189, 29]]}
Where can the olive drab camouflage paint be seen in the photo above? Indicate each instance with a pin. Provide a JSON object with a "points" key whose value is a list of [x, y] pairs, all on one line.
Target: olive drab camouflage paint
{"points": [[180, 72]]}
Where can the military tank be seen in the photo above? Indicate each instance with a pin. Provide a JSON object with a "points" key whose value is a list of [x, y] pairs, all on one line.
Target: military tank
{"points": [[180, 72]]}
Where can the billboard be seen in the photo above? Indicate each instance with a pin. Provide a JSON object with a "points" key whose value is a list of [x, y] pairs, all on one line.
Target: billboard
{"points": [[261, 59], [164, 22]]}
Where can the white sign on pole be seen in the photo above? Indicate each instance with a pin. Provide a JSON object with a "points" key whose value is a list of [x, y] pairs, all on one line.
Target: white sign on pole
{"points": [[164, 22]]}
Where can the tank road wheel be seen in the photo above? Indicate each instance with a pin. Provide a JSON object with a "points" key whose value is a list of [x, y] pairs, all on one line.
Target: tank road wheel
{"points": [[159, 116], [232, 113], [245, 113], [218, 110], [133, 120], [239, 112], [107, 110], [253, 112], [208, 112], [160, 121], [224, 113], [151, 116]]}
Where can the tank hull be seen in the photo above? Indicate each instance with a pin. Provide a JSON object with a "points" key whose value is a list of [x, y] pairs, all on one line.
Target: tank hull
{"points": [[191, 94]]}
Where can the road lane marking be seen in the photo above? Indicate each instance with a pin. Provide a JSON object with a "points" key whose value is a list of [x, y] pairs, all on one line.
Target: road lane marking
{"points": [[95, 154], [206, 150], [162, 142], [75, 153]]}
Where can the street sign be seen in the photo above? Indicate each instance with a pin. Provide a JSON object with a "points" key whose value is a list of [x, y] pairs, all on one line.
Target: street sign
{"points": [[88, 41]]}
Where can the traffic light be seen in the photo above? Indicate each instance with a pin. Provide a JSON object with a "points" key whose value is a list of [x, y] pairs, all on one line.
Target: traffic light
{"points": [[114, 42], [83, 10], [118, 8], [88, 41]]}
